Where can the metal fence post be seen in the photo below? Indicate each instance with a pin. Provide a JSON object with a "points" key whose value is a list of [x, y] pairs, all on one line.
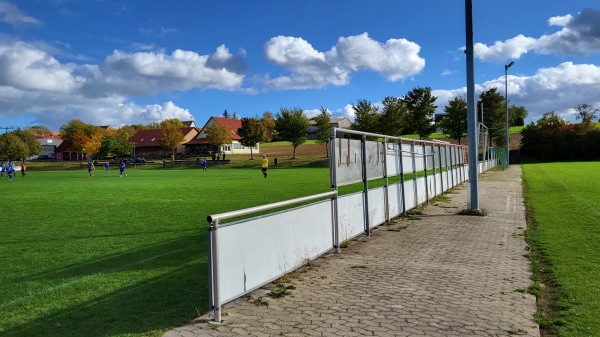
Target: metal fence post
{"points": [[425, 171], [365, 184], [402, 181], [441, 170], [386, 183], [414, 165], [334, 220], [215, 271]]}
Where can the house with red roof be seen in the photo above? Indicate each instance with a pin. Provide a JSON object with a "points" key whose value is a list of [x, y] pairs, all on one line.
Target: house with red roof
{"points": [[146, 142], [232, 126]]}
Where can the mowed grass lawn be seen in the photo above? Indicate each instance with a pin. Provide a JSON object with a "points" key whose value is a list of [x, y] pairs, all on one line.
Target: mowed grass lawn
{"points": [[113, 256], [565, 198]]}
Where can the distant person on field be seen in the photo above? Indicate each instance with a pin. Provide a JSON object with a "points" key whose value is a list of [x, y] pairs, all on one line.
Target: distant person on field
{"points": [[23, 168], [2, 170], [122, 169], [265, 165], [204, 164], [11, 170], [106, 166], [91, 168], [275, 162]]}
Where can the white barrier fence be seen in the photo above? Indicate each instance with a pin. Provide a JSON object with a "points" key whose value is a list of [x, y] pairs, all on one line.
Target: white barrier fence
{"points": [[247, 254]]}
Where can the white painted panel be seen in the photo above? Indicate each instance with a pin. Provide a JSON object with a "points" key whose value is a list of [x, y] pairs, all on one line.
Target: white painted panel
{"points": [[350, 216], [348, 164], [395, 199], [409, 194], [393, 159], [407, 160], [446, 179], [376, 206], [422, 197], [266, 248], [375, 162]]}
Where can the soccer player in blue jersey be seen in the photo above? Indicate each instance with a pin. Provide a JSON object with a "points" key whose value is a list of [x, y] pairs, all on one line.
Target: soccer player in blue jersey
{"points": [[122, 168], [11, 170]]}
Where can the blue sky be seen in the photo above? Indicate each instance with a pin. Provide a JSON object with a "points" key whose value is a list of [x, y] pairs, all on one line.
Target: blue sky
{"points": [[125, 62]]}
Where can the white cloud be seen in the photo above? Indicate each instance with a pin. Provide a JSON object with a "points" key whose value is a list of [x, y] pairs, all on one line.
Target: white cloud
{"points": [[556, 89], [145, 73], [448, 72], [34, 83], [25, 67], [12, 15], [395, 60], [310, 113], [579, 35], [560, 20]]}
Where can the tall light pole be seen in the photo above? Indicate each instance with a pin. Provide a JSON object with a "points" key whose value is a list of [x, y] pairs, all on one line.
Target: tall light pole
{"points": [[472, 133], [506, 103]]}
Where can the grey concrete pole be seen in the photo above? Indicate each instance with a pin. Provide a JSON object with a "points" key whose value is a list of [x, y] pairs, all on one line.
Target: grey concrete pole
{"points": [[506, 104], [471, 111]]}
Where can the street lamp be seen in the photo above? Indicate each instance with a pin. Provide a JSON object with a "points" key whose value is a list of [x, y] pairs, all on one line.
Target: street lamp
{"points": [[506, 103]]}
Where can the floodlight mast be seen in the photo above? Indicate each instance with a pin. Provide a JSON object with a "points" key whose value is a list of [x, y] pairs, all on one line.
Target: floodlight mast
{"points": [[507, 162], [473, 200]]}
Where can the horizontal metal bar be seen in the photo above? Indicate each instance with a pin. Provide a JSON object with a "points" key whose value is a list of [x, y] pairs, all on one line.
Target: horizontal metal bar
{"points": [[388, 137], [241, 212]]}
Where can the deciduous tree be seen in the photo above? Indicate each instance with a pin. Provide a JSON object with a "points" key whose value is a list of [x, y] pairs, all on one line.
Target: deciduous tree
{"points": [[217, 136], [291, 125], [393, 119], [421, 106], [586, 113], [455, 123], [171, 137], [12, 147], [323, 124], [494, 114], [27, 137], [268, 122], [366, 116], [517, 115], [251, 132]]}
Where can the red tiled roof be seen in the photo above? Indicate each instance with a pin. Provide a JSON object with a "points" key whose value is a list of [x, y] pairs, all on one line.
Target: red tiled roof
{"points": [[232, 126], [64, 146], [149, 138], [197, 141]]}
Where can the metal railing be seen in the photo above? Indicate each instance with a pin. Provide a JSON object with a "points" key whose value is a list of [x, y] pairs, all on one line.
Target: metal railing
{"points": [[214, 241]]}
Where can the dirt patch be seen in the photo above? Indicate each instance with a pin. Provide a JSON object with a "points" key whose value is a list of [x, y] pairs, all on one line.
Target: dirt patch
{"points": [[286, 151]]}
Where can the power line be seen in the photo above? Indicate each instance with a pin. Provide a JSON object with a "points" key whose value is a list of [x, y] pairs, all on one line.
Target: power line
{"points": [[6, 128]]}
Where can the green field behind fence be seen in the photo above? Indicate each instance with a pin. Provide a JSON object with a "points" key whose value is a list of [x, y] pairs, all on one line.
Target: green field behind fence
{"points": [[113, 256], [565, 198]]}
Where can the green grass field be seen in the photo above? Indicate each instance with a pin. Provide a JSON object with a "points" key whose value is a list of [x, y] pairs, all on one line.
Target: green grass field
{"points": [[565, 198], [113, 256]]}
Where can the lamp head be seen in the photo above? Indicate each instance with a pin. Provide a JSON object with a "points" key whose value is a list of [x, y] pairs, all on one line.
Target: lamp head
{"points": [[509, 65]]}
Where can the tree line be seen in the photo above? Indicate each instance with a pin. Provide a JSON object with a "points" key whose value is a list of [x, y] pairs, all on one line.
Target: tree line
{"points": [[414, 114], [551, 138], [396, 116]]}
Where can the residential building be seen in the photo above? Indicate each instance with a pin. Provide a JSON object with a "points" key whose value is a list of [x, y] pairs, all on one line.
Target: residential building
{"points": [[343, 123], [231, 125], [49, 143], [146, 143]]}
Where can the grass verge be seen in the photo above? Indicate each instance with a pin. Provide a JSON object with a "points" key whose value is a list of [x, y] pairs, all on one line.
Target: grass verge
{"points": [[563, 203]]}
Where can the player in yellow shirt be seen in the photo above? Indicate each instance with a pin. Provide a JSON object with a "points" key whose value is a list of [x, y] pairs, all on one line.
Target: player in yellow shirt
{"points": [[265, 165]]}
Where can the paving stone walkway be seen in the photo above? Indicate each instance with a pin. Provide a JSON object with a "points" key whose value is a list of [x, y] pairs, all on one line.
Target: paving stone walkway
{"points": [[441, 274]]}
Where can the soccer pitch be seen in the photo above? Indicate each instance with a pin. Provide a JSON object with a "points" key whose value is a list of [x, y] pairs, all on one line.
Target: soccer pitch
{"points": [[112, 256], [565, 200]]}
